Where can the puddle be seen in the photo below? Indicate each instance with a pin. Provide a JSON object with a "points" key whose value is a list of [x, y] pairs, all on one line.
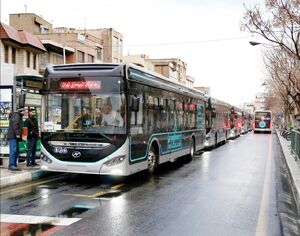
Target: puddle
{"points": [[75, 210], [110, 195], [47, 187]]}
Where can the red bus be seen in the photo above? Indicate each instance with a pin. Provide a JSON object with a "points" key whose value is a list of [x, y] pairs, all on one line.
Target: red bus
{"points": [[262, 121]]}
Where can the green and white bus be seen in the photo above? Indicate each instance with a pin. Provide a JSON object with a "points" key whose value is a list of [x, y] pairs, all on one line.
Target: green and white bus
{"points": [[155, 120]]}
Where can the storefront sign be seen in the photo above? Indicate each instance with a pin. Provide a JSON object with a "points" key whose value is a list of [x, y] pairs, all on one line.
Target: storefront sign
{"points": [[5, 110]]}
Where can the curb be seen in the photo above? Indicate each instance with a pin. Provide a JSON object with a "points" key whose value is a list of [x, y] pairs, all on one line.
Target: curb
{"points": [[22, 178], [293, 170]]}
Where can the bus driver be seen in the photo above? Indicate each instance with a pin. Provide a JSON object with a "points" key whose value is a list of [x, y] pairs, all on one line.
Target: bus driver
{"points": [[111, 117]]}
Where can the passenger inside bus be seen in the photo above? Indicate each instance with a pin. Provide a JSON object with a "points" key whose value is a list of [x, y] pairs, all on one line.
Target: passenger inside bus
{"points": [[86, 118], [98, 117], [111, 117]]}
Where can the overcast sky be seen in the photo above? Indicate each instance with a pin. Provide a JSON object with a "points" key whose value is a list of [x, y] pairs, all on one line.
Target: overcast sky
{"points": [[203, 33]]}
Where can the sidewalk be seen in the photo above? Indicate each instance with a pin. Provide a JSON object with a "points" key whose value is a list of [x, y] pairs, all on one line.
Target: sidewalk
{"points": [[9, 178], [293, 166]]}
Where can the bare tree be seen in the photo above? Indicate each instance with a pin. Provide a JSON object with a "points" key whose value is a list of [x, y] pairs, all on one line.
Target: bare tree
{"points": [[279, 23], [283, 82]]}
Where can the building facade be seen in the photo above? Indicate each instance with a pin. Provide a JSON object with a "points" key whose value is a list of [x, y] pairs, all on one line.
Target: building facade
{"points": [[172, 68], [70, 45], [19, 70], [20, 52], [111, 43], [141, 60]]}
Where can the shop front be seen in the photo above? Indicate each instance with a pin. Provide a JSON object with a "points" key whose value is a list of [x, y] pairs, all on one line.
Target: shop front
{"points": [[9, 101]]}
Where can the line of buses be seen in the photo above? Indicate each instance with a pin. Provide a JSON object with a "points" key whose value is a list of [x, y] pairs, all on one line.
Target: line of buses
{"points": [[119, 119]]}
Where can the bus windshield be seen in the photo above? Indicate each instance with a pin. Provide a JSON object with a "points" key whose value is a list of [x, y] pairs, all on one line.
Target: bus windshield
{"points": [[92, 111], [262, 115]]}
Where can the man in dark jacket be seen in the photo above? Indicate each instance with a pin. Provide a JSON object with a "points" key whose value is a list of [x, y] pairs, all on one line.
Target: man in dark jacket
{"points": [[32, 137], [13, 136]]}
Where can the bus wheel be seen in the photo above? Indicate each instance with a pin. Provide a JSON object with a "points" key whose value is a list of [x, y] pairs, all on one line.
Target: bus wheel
{"points": [[192, 150], [216, 142], [152, 161]]}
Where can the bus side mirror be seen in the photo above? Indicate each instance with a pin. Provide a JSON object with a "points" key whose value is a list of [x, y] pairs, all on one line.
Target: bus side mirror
{"points": [[135, 103], [22, 98]]}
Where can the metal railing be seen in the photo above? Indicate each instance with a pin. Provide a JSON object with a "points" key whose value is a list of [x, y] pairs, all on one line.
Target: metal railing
{"points": [[295, 143]]}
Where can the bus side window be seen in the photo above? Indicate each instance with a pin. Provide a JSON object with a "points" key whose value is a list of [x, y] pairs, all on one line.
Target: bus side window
{"points": [[137, 117], [171, 115]]}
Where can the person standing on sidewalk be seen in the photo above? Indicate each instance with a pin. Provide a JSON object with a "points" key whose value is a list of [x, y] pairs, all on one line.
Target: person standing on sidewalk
{"points": [[32, 137], [14, 136]]}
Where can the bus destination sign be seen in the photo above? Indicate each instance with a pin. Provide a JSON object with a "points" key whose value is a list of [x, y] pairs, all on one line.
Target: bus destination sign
{"points": [[71, 85]]}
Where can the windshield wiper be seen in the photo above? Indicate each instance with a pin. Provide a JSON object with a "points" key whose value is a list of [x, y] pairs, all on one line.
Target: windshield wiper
{"points": [[105, 136]]}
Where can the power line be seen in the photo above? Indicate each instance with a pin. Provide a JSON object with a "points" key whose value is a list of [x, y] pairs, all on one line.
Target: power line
{"points": [[186, 42]]}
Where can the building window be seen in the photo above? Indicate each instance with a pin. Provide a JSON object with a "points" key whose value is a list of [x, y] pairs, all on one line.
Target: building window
{"points": [[90, 58], [34, 61], [6, 53], [80, 56], [99, 53], [115, 46], [28, 59], [13, 56], [37, 27]]}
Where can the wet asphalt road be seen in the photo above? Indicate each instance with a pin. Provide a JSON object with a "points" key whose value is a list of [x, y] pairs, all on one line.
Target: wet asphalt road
{"points": [[230, 190]]}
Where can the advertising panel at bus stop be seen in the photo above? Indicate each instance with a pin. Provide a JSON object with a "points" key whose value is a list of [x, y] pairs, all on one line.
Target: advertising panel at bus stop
{"points": [[5, 110]]}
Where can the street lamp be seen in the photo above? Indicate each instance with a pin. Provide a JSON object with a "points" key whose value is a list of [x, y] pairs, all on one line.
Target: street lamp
{"points": [[253, 43], [268, 45]]}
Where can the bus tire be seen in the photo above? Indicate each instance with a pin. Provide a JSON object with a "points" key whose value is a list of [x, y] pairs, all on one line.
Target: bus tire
{"points": [[191, 154], [216, 142], [192, 148], [152, 161]]}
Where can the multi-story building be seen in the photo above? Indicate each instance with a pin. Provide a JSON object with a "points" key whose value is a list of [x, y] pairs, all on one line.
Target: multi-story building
{"points": [[19, 53], [18, 70], [190, 81], [248, 107], [73, 46], [203, 89], [172, 68], [30, 22], [260, 101], [141, 60], [111, 41], [70, 45]]}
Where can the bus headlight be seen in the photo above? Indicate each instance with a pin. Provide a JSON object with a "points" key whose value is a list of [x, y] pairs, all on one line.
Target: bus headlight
{"points": [[45, 158], [115, 161]]}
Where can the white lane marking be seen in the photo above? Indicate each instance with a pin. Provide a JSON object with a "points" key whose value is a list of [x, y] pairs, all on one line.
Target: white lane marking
{"points": [[263, 218], [29, 219]]}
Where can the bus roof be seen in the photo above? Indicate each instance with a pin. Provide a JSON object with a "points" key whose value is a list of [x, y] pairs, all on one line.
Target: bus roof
{"points": [[131, 71], [142, 75], [263, 111]]}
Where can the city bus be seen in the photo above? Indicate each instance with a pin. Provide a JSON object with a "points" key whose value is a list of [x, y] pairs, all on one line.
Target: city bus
{"points": [[155, 120], [262, 121], [217, 122], [236, 120], [247, 122]]}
